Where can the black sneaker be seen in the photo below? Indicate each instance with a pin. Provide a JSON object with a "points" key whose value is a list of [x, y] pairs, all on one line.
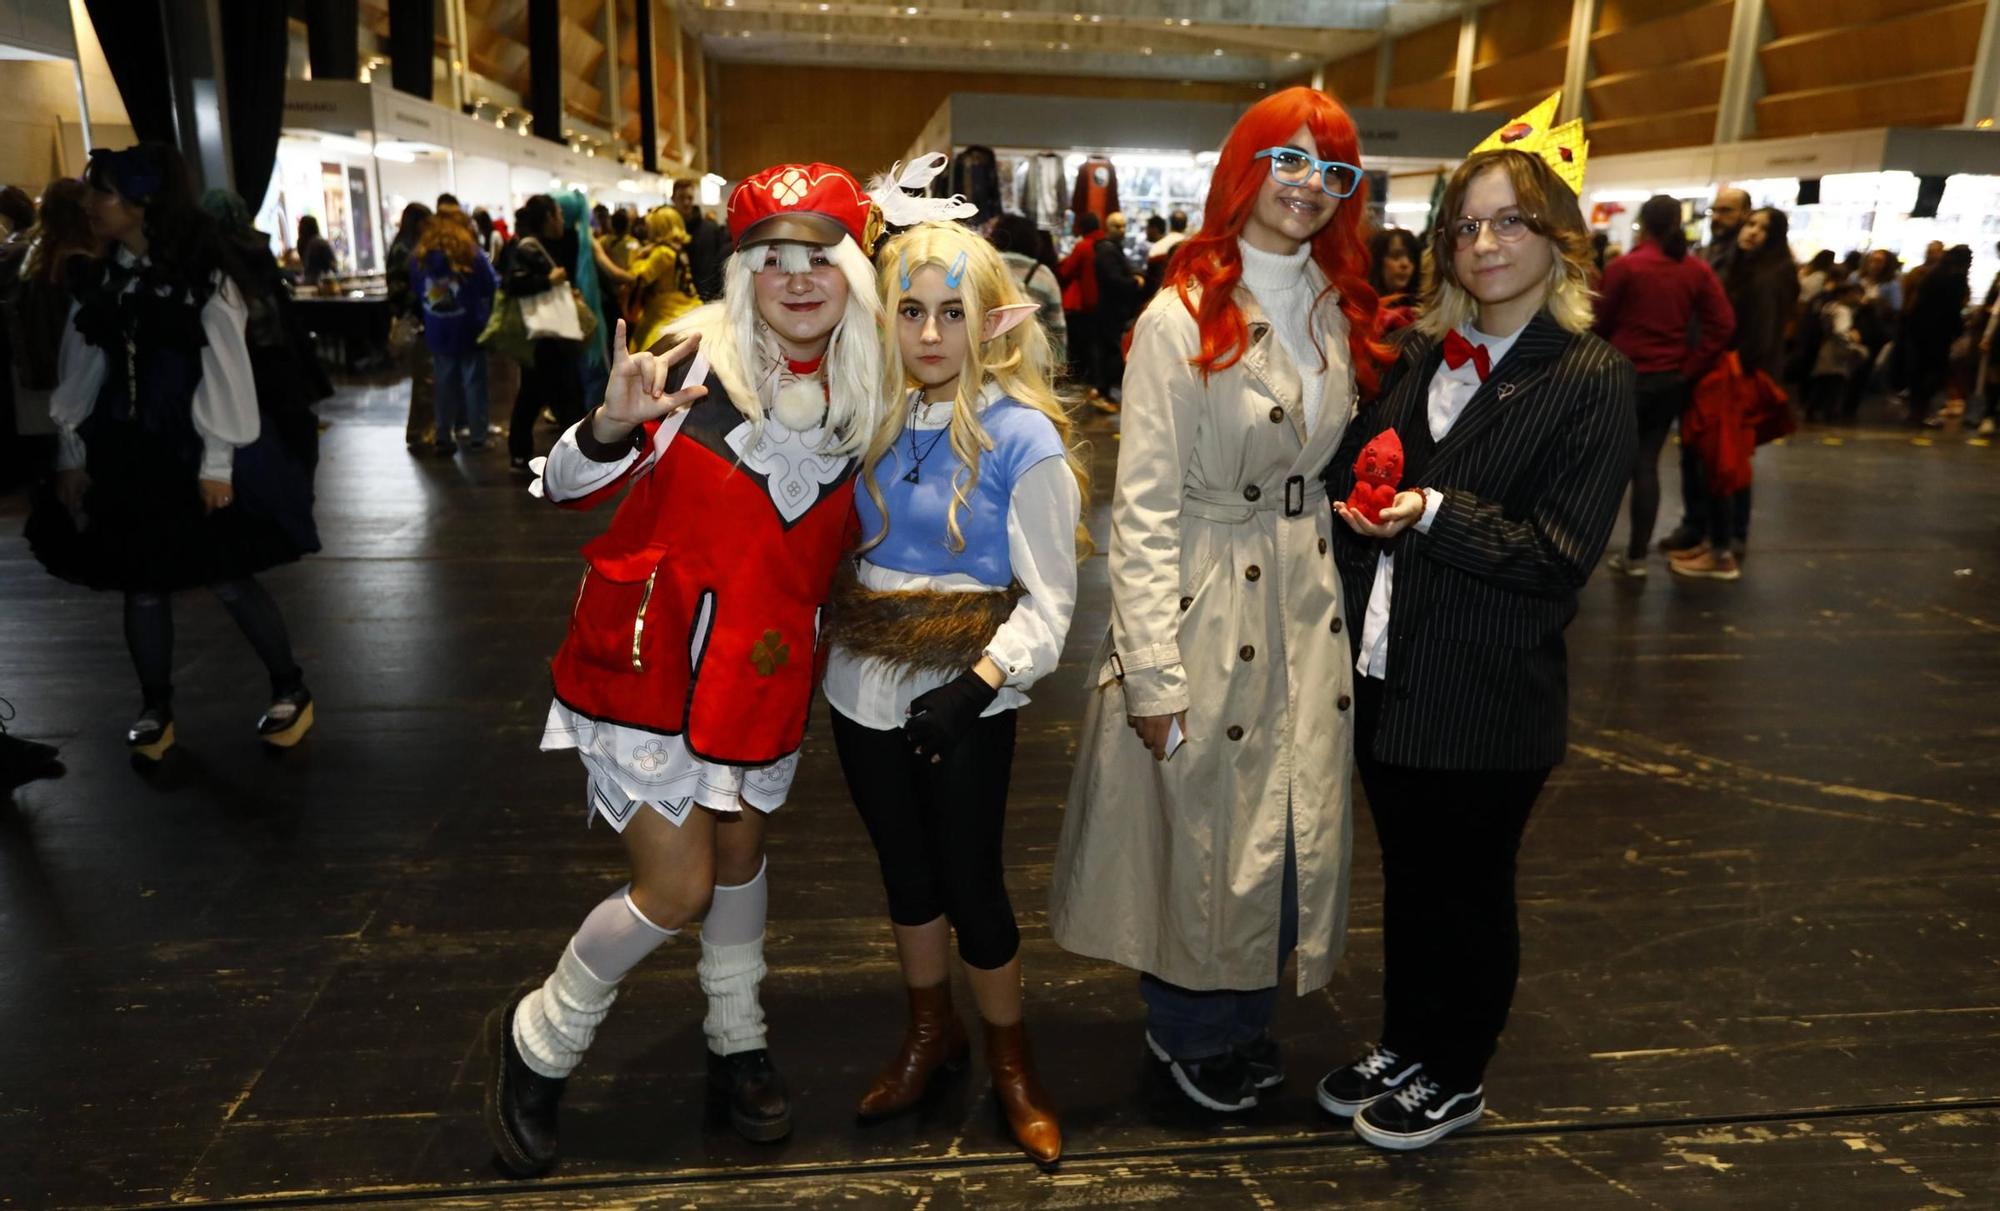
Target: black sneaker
{"points": [[289, 717], [1681, 540], [1419, 1114], [1263, 1061], [152, 733], [1220, 1082], [1349, 1089]]}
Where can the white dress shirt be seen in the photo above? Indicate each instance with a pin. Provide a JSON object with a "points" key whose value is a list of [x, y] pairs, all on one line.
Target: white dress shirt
{"points": [[1451, 390]]}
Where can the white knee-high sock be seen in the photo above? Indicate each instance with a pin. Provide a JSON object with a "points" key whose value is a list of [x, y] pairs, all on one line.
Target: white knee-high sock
{"points": [[554, 1024], [732, 966]]}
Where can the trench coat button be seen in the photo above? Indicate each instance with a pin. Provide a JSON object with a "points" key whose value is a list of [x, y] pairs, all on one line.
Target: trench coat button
{"points": [[1185, 603], [1343, 702], [1335, 628], [1277, 415], [1251, 492], [1234, 732], [1252, 572], [1247, 652], [1322, 546]]}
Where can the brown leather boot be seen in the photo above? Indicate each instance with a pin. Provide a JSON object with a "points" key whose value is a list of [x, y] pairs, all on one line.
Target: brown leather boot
{"points": [[1031, 1116], [934, 1040]]}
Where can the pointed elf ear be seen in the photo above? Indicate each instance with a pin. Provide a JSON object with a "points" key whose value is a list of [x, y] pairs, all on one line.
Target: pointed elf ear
{"points": [[1007, 317]]}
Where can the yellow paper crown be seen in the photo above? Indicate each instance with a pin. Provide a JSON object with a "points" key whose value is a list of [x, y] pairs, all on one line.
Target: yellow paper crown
{"points": [[1562, 148]]}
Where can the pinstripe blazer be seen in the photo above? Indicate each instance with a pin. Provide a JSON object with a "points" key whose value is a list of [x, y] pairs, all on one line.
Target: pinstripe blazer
{"points": [[1531, 474]]}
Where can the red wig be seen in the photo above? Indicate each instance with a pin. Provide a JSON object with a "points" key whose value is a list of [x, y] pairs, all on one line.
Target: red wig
{"points": [[1210, 261]]}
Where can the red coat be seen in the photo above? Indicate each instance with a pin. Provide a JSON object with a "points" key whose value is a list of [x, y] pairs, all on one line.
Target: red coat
{"points": [[699, 613], [1078, 272], [1730, 415]]}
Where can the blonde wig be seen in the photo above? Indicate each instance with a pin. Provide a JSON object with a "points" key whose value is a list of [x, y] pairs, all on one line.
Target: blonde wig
{"points": [[1552, 213], [1017, 361], [745, 355], [664, 225]]}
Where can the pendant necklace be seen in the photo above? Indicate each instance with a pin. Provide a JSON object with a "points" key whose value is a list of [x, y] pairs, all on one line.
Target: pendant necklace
{"points": [[916, 458]]}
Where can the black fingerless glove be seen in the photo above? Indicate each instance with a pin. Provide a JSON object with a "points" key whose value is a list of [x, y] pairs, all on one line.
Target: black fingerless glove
{"points": [[940, 716]]}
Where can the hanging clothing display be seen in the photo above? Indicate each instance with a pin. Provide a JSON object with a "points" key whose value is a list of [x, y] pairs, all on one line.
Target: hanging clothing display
{"points": [[975, 175], [1096, 188], [1040, 194]]}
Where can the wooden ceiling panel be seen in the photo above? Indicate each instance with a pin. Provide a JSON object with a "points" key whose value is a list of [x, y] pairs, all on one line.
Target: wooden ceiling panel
{"points": [[1933, 99], [1616, 15], [1431, 94], [1694, 84], [1653, 132], [1855, 55], [1691, 33], [1539, 72], [1353, 79], [1513, 28], [1426, 55], [1793, 17]]}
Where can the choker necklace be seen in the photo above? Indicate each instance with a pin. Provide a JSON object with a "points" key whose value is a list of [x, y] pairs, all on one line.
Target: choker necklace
{"points": [[916, 458]]}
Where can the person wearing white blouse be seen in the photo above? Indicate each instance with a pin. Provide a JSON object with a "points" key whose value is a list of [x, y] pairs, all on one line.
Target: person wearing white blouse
{"points": [[969, 514], [166, 477]]}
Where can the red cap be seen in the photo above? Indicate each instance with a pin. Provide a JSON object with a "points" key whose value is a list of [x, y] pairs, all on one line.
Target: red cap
{"points": [[807, 203]]}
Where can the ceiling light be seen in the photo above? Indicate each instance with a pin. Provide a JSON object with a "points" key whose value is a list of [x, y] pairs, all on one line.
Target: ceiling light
{"points": [[1076, 16], [1006, 15], [825, 7], [1218, 52], [1145, 50], [987, 42], [1065, 46], [1295, 55], [1096, 17], [1185, 21], [911, 10], [903, 41]]}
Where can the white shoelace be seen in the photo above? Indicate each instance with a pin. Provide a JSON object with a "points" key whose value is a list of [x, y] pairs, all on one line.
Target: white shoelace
{"points": [[1419, 1091], [1377, 1062]]}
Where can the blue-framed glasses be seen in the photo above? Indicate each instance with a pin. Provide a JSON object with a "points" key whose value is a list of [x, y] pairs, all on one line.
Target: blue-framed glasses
{"points": [[1290, 166]]}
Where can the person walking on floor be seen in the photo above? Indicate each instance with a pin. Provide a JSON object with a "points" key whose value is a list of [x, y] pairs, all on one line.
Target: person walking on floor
{"points": [[1663, 309], [554, 379], [1118, 290], [168, 477], [1078, 274], [1217, 735], [406, 330], [1517, 426], [454, 283]]}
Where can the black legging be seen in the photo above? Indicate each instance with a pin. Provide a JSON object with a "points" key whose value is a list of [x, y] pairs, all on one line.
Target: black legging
{"points": [[554, 382], [937, 829], [149, 635], [1661, 398]]}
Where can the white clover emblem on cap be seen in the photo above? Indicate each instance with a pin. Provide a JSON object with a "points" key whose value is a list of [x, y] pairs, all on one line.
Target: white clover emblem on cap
{"points": [[790, 188]]}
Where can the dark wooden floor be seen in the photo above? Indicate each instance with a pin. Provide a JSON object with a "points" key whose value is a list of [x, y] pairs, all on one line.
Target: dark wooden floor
{"points": [[1760, 901]]}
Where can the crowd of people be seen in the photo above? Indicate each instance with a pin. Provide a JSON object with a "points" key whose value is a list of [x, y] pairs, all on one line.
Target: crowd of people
{"points": [[842, 464]]}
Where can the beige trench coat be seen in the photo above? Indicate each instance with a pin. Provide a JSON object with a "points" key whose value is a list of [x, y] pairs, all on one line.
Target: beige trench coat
{"points": [[1225, 604]]}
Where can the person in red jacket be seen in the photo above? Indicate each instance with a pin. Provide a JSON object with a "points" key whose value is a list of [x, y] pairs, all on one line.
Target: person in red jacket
{"points": [[1078, 274], [694, 643], [1651, 299]]}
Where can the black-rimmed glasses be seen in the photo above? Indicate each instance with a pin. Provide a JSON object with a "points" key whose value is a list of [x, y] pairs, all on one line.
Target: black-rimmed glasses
{"points": [[1290, 166]]}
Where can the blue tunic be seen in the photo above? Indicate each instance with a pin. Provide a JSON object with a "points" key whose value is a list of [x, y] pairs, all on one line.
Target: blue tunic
{"points": [[918, 541]]}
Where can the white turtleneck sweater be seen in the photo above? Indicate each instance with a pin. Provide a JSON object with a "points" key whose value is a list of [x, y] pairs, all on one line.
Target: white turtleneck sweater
{"points": [[1284, 290]]}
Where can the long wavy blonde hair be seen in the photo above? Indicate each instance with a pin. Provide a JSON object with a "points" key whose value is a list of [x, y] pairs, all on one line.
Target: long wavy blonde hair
{"points": [[1017, 361]]}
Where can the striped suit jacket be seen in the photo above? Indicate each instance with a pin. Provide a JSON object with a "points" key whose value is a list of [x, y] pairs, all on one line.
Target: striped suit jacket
{"points": [[1531, 474]]}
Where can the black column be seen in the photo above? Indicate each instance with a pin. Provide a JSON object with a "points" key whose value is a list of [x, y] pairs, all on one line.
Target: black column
{"points": [[333, 39], [545, 68], [253, 61], [649, 109], [134, 38], [412, 36]]}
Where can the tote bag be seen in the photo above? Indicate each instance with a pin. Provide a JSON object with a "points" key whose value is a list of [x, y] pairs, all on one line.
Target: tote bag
{"points": [[551, 313]]}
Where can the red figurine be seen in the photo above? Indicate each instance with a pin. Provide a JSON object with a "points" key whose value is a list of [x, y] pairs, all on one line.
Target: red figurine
{"points": [[1377, 470]]}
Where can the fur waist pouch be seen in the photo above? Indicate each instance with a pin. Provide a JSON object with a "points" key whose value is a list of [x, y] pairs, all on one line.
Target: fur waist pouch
{"points": [[916, 630]]}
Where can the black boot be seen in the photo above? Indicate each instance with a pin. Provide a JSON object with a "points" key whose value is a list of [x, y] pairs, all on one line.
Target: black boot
{"points": [[520, 1103], [750, 1085]]}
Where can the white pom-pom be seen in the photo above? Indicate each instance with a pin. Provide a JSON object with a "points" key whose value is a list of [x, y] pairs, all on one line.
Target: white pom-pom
{"points": [[800, 404]]}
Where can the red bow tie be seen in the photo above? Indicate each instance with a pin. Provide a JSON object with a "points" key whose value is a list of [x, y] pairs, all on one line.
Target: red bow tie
{"points": [[1458, 350]]}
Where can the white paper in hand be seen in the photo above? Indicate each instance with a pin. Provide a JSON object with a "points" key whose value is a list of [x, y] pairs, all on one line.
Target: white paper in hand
{"points": [[1174, 737]]}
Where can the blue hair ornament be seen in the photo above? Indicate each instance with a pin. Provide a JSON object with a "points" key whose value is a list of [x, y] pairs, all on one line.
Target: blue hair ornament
{"points": [[957, 272], [903, 270]]}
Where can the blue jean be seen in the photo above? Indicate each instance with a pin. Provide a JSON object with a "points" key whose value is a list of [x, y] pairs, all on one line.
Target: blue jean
{"points": [[460, 394], [1194, 1025]]}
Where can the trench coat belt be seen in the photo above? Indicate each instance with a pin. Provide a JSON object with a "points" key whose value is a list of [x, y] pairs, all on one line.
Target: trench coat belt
{"points": [[1228, 507]]}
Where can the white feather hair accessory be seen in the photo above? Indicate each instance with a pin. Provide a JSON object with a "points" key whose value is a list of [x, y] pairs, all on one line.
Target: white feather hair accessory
{"points": [[899, 209]]}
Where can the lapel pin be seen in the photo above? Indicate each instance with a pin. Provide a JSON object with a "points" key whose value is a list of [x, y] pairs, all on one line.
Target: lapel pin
{"points": [[1506, 389]]}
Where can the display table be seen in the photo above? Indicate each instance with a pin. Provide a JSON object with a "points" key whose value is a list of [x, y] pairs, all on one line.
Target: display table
{"points": [[350, 331]]}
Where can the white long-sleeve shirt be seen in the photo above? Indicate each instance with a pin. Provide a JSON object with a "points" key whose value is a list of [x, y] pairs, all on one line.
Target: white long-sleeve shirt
{"points": [[1285, 291], [225, 401], [1451, 390]]}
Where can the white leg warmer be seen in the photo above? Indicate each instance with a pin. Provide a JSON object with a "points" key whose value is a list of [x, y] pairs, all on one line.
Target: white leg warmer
{"points": [[555, 1023], [732, 966]]}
